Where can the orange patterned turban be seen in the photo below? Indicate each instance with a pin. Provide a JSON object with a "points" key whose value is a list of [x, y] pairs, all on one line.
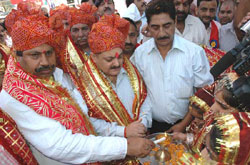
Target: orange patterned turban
{"points": [[109, 33], [84, 15], [62, 10], [31, 32], [24, 9]]}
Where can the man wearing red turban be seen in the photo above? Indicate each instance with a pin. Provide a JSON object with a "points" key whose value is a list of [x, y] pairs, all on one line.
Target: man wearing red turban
{"points": [[110, 84], [80, 22], [46, 105]]}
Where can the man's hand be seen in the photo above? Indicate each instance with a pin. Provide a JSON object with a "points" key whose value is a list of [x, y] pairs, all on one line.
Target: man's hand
{"points": [[179, 136], [177, 128], [244, 20], [139, 147], [136, 129], [145, 31]]}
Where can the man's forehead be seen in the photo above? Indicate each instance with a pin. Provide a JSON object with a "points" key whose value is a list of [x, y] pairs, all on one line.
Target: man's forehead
{"points": [[79, 25], [205, 3], [161, 19], [111, 53], [181, 1], [132, 28], [227, 6], [41, 48]]}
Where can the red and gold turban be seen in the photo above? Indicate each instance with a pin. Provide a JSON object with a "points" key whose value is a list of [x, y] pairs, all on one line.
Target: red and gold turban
{"points": [[62, 9], [84, 15], [109, 33], [31, 32], [24, 9], [234, 144]]}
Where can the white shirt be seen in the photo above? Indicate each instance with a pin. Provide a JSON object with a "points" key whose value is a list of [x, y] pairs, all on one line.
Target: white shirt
{"points": [[125, 93], [228, 38], [194, 30], [171, 82], [51, 142]]}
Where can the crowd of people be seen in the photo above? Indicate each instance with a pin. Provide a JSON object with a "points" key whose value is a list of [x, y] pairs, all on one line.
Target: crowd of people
{"points": [[86, 84]]}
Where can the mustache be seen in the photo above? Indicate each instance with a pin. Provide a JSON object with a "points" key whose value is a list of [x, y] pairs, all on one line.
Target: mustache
{"points": [[208, 17], [115, 67], [43, 68], [163, 38], [82, 39], [128, 44], [180, 12], [107, 8]]}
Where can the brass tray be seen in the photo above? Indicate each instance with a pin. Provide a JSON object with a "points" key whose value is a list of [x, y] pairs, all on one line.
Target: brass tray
{"points": [[151, 157]]}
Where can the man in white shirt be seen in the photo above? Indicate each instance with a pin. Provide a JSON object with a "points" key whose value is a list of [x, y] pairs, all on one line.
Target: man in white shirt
{"points": [[226, 12], [43, 102], [206, 11], [133, 13], [131, 40], [188, 26], [228, 37], [128, 108], [170, 65]]}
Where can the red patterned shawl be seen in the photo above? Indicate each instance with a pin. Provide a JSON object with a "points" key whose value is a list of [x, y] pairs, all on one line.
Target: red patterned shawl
{"points": [[45, 97]]}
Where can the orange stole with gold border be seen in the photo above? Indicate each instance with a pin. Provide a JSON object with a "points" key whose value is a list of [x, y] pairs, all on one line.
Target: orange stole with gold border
{"points": [[101, 99]]}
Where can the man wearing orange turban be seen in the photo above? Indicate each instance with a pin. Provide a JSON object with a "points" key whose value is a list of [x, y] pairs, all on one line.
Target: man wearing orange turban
{"points": [[46, 105], [109, 83], [80, 23]]}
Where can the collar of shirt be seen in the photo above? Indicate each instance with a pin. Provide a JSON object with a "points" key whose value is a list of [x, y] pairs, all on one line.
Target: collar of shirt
{"points": [[189, 20], [58, 75], [175, 45], [229, 27]]}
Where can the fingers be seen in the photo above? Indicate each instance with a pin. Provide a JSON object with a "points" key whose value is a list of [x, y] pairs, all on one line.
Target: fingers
{"points": [[139, 120], [147, 148], [244, 20], [175, 135], [170, 130]]}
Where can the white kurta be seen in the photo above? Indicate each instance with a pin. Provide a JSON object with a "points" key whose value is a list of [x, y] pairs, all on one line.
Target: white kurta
{"points": [[171, 82], [51, 142], [228, 37], [194, 31], [125, 93]]}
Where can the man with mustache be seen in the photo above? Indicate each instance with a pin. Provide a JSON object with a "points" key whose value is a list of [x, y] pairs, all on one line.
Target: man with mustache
{"points": [[46, 105], [110, 84], [171, 66], [228, 37], [80, 22], [131, 40], [206, 11], [226, 11], [105, 7], [188, 26]]}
